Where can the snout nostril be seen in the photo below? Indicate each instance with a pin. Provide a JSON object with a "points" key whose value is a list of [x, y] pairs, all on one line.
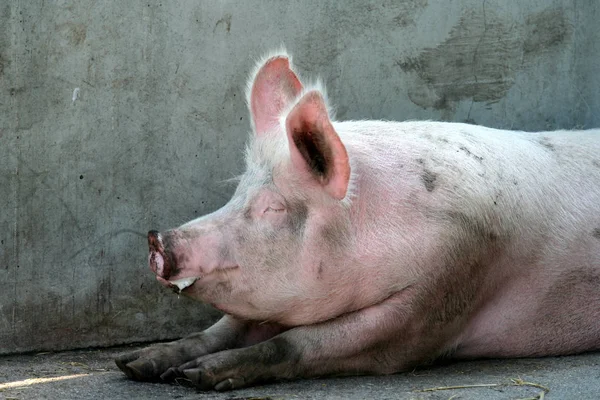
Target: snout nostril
{"points": [[154, 241], [160, 262]]}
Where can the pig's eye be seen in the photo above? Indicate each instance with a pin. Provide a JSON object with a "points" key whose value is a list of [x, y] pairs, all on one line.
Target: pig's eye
{"points": [[275, 208], [270, 205]]}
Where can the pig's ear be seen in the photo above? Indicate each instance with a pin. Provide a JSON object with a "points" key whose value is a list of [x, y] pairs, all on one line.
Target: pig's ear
{"points": [[315, 147], [274, 87]]}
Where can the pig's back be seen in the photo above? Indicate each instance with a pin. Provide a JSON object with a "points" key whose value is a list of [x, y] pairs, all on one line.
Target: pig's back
{"points": [[518, 177]]}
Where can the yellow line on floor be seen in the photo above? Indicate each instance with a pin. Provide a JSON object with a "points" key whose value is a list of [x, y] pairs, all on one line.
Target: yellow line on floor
{"points": [[35, 381]]}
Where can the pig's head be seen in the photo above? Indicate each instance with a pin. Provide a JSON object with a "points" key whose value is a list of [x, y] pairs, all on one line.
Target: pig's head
{"points": [[265, 254]]}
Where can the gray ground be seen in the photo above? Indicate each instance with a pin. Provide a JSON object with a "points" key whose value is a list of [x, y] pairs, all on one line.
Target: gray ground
{"points": [[91, 374]]}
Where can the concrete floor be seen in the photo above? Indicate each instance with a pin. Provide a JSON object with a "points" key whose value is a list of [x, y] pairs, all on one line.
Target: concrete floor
{"points": [[92, 374]]}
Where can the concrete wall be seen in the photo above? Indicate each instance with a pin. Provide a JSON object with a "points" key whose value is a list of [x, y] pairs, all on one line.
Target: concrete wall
{"points": [[160, 120]]}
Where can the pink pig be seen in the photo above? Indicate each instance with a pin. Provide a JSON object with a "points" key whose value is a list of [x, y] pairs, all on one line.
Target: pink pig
{"points": [[370, 247]]}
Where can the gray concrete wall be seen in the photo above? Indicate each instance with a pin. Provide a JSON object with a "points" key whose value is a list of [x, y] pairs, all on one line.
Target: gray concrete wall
{"points": [[160, 121]]}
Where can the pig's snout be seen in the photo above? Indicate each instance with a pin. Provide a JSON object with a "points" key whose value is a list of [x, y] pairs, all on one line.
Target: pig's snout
{"points": [[159, 262]]}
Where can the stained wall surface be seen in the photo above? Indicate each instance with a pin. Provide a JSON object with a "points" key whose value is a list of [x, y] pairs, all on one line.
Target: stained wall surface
{"points": [[119, 117]]}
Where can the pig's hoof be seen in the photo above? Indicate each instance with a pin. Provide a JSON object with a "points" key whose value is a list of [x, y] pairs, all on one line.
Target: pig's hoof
{"points": [[172, 374], [136, 368], [199, 378], [204, 380], [229, 384]]}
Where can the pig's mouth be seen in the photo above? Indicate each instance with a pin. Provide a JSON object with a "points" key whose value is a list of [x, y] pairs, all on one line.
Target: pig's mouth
{"points": [[179, 285]]}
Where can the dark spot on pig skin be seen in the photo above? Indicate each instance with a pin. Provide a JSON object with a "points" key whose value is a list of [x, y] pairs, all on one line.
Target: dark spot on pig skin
{"points": [[224, 253], [420, 161], [545, 142], [596, 163], [429, 179], [596, 233], [457, 297], [470, 224], [335, 234], [240, 238], [222, 288], [320, 271], [248, 213], [476, 232], [297, 215], [468, 152], [471, 244]]}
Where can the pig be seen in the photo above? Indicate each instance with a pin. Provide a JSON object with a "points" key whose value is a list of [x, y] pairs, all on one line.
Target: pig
{"points": [[372, 247]]}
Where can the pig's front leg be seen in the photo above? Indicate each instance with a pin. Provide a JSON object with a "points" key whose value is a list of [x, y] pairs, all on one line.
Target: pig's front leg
{"points": [[386, 338], [154, 362]]}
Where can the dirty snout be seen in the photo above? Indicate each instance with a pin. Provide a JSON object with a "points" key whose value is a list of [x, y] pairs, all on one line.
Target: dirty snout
{"points": [[162, 264], [159, 262]]}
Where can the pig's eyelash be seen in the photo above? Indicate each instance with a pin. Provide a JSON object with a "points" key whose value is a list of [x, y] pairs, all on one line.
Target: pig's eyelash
{"points": [[275, 209]]}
